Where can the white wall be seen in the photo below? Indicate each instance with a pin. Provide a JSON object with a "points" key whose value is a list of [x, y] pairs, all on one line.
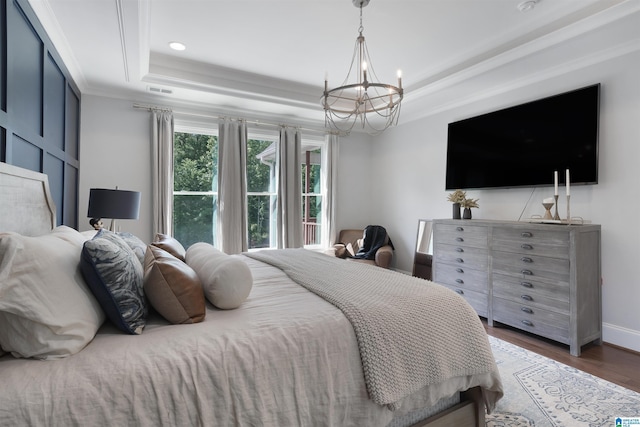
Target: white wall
{"points": [[354, 193], [115, 151], [414, 156]]}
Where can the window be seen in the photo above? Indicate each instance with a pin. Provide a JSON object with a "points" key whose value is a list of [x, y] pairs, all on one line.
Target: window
{"points": [[261, 193], [195, 189], [311, 195], [195, 192]]}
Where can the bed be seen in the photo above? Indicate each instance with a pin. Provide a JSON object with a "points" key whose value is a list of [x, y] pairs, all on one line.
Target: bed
{"points": [[293, 353]]}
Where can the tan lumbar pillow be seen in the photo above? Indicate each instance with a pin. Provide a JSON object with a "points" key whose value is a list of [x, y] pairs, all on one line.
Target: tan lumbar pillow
{"points": [[169, 244], [172, 287], [226, 280]]}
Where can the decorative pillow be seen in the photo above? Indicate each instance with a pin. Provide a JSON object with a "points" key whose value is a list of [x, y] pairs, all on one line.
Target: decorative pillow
{"points": [[172, 287], [226, 280], [46, 309], [170, 245], [350, 250], [137, 246], [114, 275], [340, 250]]}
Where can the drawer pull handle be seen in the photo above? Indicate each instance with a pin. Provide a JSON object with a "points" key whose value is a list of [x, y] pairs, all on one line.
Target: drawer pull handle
{"points": [[526, 246], [459, 250], [527, 272], [526, 259], [460, 291], [526, 234], [459, 239], [459, 229], [460, 260], [526, 284], [460, 281], [527, 322], [459, 270], [526, 297], [526, 310]]}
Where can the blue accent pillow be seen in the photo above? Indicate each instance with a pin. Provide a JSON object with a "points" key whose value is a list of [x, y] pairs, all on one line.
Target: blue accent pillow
{"points": [[114, 275]]}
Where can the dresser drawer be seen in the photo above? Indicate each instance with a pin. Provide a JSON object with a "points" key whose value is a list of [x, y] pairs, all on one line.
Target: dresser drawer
{"points": [[521, 265], [467, 235], [465, 256], [461, 276], [531, 292], [532, 319], [531, 242], [555, 237], [477, 300]]}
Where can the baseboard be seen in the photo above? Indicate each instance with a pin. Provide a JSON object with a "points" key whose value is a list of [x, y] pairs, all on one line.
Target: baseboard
{"points": [[621, 337]]}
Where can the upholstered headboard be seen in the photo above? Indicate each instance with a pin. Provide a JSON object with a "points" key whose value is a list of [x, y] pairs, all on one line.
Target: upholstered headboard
{"points": [[26, 205]]}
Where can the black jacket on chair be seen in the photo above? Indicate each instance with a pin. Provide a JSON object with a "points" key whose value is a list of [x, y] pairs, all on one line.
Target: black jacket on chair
{"points": [[375, 237]]}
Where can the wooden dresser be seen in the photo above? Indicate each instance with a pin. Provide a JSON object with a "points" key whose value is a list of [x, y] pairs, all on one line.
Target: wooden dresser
{"points": [[541, 278]]}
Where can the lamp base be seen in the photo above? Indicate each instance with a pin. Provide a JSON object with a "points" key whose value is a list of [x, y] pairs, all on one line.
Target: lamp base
{"points": [[96, 223]]}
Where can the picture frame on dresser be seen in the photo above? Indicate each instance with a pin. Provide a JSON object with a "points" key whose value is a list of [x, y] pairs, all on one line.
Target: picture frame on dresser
{"points": [[540, 278]]}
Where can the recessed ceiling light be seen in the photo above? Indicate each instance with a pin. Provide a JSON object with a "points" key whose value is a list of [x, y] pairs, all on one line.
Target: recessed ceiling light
{"points": [[527, 6], [177, 46]]}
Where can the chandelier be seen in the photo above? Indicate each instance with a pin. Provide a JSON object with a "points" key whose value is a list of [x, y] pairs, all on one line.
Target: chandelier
{"points": [[374, 106]]}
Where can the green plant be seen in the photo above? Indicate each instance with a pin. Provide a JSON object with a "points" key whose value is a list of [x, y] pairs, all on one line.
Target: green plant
{"points": [[457, 196]]}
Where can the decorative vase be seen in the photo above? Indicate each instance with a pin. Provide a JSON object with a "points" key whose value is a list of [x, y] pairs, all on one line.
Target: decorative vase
{"points": [[456, 211], [467, 213]]}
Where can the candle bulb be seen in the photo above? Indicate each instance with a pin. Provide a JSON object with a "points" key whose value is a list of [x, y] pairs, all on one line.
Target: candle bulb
{"points": [[568, 184], [555, 182], [400, 78]]}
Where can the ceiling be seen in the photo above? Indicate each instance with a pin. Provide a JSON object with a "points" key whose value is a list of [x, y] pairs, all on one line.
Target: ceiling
{"points": [[269, 58]]}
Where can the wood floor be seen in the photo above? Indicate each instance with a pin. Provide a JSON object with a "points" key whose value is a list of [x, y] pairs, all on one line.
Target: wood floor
{"points": [[606, 361]]}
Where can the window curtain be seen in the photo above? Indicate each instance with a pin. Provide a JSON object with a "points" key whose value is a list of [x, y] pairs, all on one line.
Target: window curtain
{"points": [[329, 183], [232, 186], [289, 187], [162, 182]]}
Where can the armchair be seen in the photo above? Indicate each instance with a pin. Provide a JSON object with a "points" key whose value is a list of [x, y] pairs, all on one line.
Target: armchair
{"points": [[371, 245]]}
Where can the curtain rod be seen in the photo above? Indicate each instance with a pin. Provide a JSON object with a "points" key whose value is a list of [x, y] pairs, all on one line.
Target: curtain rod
{"points": [[216, 117]]}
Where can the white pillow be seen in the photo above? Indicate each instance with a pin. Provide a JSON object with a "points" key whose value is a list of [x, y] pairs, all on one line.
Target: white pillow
{"points": [[226, 280], [46, 309]]}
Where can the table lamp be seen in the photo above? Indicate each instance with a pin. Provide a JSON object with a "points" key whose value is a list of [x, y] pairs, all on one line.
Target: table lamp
{"points": [[114, 204]]}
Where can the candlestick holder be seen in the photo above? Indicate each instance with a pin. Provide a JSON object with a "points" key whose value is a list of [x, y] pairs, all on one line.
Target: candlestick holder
{"points": [[556, 216], [568, 209]]}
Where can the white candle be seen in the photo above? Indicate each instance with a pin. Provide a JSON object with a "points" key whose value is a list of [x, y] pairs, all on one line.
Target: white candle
{"points": [[568, 184], [555, 182]]}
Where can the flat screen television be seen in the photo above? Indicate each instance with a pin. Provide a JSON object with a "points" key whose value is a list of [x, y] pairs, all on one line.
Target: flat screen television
{"points": [[522, 146]]}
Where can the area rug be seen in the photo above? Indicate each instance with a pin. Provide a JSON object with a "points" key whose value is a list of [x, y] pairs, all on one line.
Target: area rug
{"points": [[541, 392]]}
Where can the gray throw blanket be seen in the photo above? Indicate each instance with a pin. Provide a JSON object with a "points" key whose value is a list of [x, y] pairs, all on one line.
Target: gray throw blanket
{"points": [[411, 333]]}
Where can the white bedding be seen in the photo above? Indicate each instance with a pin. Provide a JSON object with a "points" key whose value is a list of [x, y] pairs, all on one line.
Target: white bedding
{"points": [[283, 348]]}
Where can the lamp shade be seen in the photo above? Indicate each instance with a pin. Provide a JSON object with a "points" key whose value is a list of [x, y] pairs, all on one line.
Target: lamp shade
{"points": [[115, 204]]}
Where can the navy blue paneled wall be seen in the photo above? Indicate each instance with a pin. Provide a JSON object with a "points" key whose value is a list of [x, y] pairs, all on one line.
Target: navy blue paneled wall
{"points": [[39, 107]]}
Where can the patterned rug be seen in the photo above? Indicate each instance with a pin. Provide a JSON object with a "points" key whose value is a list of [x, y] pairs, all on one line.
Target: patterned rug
{"points": [[542, 392]]}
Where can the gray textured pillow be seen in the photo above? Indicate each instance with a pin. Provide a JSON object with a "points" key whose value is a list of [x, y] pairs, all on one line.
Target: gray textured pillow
{"points": [[226, 280], [114, 275], [135, 243]]}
